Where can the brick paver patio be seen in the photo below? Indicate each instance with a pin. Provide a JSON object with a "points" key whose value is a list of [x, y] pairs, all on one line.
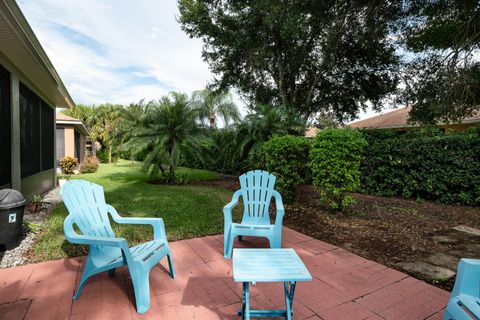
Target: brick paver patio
{"points": [[345, 286]]}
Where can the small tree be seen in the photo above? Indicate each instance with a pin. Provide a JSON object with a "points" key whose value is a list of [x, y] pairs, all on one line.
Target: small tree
{"points": [[168, 130], [211, 106], [335, 162]]}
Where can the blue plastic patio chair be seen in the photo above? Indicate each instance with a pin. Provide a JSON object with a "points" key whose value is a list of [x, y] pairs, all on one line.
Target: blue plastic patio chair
{"points": [[464, 303], [256, 190], [88, 210]]}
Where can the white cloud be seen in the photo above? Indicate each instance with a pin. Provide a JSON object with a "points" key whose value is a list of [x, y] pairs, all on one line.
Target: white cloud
{"points": [[119, 51]]}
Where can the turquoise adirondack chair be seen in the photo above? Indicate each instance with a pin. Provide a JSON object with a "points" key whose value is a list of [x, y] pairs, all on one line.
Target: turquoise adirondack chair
{"points": [[464, 303], [88, 210], [257, 190]]}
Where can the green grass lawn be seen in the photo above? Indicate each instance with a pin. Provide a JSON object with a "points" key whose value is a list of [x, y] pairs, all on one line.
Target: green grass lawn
{"points": [[188, 211]]}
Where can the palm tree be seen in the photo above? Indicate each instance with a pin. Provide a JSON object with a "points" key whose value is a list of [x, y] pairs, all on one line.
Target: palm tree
{"points": [[169, 128], [268, 120], [211, 107], [107, 120]]}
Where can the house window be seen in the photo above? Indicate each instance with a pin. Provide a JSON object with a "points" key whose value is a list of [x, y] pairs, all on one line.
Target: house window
{"points": [[5, 128], [77, 145], [36, 133]]}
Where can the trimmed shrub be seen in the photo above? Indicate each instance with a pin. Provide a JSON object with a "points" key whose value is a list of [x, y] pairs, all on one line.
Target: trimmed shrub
{"points": [[68, 164], [427, 164], [287, 158], [89, 165], [335, 159]]}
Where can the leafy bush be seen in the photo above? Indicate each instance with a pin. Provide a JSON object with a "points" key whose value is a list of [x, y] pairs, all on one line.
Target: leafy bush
{"points": [[287, 158], [102, 155], [68, 164], [427, 164], [89, 165], [335, 159]]}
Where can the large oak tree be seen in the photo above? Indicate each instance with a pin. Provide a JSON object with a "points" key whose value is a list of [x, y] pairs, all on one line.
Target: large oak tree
{"points": [[308, 55], [443, 75]]}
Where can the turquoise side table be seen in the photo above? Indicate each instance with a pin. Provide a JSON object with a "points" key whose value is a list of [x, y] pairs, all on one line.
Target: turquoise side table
{"points": [[268, 265]]}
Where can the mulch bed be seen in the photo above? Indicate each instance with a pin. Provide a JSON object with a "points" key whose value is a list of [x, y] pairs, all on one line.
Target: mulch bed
{"points": [[385, 230]]}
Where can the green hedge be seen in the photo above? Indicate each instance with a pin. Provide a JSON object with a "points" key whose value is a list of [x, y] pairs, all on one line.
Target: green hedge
{"points": [[287, 158], [335, 160], [426, 164]]}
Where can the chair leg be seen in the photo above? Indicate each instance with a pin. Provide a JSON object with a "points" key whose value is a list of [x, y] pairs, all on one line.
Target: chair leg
{"points": [[83, 281], [277, 239], [141, 287], [170, 265], [88, 271], [226, 239], [229, 246]]}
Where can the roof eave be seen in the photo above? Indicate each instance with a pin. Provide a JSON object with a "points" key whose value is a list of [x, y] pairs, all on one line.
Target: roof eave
{"points": [[20, 25]]}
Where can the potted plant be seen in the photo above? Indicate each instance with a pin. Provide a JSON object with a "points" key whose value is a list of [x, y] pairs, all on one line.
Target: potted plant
{"points": [[62, 179], [36, 204]]}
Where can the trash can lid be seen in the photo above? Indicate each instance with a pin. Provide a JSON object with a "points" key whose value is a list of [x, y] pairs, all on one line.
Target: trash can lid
{"points": [[10, 198]]}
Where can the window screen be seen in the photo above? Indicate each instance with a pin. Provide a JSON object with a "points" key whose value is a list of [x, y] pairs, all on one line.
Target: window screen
{"points": [[36, 133], [48, 128], [5, 129], [29, 132]]}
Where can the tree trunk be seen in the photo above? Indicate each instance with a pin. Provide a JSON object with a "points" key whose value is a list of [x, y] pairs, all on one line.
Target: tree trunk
{"points": [[212, 120], [110, 154]]}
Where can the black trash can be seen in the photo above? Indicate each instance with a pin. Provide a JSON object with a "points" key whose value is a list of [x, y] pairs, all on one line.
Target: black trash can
{"points": [[12, 205]]}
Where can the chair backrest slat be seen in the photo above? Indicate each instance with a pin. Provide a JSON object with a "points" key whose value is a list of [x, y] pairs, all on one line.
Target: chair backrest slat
{"points": [[257, 189], [85, 201]]}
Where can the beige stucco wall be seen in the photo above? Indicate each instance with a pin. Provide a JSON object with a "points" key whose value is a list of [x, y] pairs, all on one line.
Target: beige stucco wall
{"points": [[69, 141]]}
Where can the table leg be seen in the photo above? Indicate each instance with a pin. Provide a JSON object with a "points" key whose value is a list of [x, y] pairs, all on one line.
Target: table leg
{"points": [[289, 294], [246, 301], [245, 312]]}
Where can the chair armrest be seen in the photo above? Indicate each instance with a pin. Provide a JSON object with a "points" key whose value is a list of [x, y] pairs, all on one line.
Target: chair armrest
{"points": [[280, 208], [74, 237], [157, 223], [227, 210]]}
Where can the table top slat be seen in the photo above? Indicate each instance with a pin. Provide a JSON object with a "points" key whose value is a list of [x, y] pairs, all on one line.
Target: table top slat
{"points": [[268, 265]]}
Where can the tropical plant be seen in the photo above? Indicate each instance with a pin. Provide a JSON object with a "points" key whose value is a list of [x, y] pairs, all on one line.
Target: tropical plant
{"points": [[169, 129], [212, 106], [267, 121], [106, 125], [68, 164]]}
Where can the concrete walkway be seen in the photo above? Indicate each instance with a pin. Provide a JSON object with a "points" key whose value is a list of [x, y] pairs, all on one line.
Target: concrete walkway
{"points": [[345, 286]]}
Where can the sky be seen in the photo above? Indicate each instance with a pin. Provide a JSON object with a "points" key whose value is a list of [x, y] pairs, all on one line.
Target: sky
{"points": [[119, 51]]}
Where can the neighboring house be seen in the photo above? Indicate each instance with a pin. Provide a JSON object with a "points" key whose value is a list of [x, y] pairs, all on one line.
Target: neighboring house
{"points": [[398, 119], [30, 89], [71, 138]]}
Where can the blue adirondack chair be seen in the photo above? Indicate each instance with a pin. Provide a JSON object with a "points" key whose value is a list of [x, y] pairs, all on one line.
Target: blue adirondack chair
{"points": [[257, 190], [88, 210], [464, 303]]}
